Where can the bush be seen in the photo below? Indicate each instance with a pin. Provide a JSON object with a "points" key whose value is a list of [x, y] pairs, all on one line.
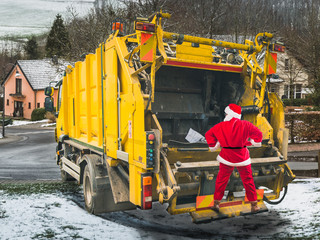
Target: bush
{"points": [[304, 126], [38, 114], [51, 117], [314, 108], [297, 102]]}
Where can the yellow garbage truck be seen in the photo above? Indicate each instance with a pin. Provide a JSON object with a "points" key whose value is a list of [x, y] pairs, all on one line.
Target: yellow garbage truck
{"points": [[125, 111]]}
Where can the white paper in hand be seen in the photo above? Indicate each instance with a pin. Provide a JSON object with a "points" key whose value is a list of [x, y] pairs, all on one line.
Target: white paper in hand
{"points": [[193, 136]]}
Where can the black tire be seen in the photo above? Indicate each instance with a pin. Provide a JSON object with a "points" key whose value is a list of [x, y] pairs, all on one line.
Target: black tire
{"points": [[88, 190], [98, 195]]}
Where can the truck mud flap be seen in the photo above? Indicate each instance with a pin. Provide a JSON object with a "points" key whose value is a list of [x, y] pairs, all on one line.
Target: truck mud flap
{"points": [[119, 186], [226, 211]]}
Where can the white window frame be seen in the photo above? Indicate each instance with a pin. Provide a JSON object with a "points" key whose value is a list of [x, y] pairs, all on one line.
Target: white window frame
{"points": [[296, 91]]}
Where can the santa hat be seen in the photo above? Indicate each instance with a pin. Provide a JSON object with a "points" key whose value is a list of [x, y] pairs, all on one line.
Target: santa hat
{"points": [[233, 110]]}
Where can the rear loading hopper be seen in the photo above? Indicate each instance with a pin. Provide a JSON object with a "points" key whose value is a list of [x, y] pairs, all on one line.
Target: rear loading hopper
{"points": [[195, 98]]}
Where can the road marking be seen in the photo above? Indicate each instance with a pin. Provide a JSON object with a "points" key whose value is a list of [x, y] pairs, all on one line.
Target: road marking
{"points": [[28, 133]]}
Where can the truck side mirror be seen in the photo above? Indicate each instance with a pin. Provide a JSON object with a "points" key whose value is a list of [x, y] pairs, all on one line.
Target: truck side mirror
{"points": [[48, 91], [48, 104]]}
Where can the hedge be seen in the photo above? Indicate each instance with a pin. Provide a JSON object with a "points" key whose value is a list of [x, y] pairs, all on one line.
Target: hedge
{"points": [[38, 114], [303, 126], [297, 102]]}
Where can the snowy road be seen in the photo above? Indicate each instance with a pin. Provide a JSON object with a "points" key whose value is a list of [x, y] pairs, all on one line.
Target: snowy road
{"points": [[54, 211]]}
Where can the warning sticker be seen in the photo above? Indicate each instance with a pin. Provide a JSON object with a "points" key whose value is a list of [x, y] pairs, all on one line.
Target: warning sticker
{"points": [[272, 63], [146, 52], [130, 129], [204, 202]]}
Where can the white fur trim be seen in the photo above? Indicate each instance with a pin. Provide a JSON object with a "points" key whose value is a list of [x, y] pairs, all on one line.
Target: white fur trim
{"points": [[228, 111], [255, 144], [212, 149], [240, 164], [228, 117]]}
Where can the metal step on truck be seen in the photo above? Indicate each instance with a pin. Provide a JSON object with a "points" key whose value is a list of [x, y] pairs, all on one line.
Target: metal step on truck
{"points": [[125, 111]]}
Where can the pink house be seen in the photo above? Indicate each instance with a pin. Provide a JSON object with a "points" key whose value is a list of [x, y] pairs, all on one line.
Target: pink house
{"points": [[25, 84]]}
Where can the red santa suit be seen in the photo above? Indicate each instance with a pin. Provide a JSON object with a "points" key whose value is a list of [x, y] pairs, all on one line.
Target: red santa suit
{"points": [[232, 136]]}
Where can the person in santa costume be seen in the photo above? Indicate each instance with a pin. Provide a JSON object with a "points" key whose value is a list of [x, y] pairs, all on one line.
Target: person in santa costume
{"points": [[233, 135]]}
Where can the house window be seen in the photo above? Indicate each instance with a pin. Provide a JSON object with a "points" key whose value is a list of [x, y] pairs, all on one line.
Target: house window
{"points": [[297, 90], [18, 85], [286, 64], [38, 105], [29, 105], [7, 102]]}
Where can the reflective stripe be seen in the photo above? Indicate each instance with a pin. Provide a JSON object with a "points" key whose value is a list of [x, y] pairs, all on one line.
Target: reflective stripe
{"points": [[244, 163]]}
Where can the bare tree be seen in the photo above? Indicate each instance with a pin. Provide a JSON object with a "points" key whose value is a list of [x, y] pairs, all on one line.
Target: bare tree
{"points": [[87, 32]]}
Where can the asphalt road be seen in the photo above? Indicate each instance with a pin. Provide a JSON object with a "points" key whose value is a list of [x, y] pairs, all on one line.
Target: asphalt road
{"points": [[30, 158]]}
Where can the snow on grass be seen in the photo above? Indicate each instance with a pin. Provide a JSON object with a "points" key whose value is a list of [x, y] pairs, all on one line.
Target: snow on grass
{"points": [[47, 211], [36, 16], [301, 208], [43, 212], [26, 122], [48, 125], [48, 216]]}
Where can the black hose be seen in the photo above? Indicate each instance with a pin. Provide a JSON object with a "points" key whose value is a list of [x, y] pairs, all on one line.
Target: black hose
{"points": [[130, 55], [268, 102], [149, 99], [276, 202]]}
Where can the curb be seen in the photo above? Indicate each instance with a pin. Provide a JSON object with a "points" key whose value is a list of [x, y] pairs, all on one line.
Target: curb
{"points": [[10, 139], [25, 181]]}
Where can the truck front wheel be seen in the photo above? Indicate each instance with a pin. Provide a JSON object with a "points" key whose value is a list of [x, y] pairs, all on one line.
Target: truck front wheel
{"points": [[88, 190]]}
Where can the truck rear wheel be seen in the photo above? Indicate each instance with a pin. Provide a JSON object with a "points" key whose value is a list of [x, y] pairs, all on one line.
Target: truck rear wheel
{"points": [[98, 196], [88, 190]]}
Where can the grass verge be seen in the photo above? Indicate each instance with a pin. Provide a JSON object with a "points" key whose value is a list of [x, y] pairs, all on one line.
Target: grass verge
{"points": [[36, 188]]}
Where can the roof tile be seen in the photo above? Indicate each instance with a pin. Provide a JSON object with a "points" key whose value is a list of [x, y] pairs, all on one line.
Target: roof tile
{"points": [[41, 72]]}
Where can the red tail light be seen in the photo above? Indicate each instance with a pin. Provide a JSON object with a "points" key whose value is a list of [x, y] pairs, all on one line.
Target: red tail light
{"points": [[149, 27], [277, 47], [146, 196]]}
